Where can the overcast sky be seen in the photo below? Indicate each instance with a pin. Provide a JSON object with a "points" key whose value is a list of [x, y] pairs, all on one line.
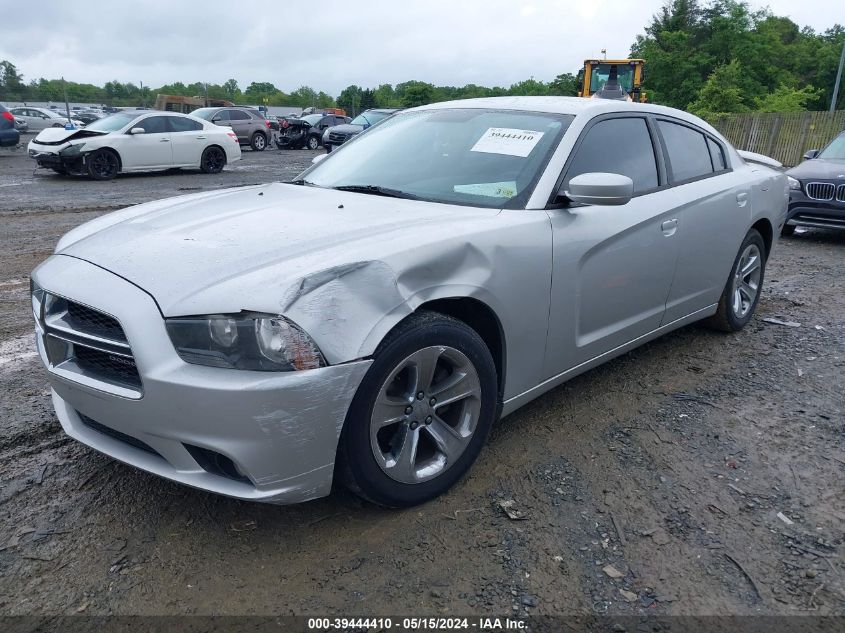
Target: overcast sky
{"points": [[328, 44]]}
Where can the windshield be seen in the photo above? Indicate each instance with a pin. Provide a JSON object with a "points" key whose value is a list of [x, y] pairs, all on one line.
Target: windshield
{"points": [[369, 118], [474, 157], [205, 113], [311, 119], [111, 123], [601, 73], [835, 150]]}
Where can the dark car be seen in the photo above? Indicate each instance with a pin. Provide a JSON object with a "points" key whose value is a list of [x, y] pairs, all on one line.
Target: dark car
{"points": [[817, 189], [339, 134], [87, 117], [248, 123], [9, 136], [307, 131]]}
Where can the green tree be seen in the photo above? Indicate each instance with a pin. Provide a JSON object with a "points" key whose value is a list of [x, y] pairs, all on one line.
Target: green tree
{"points": [[415, 93], [722, 92], [787, 99]]}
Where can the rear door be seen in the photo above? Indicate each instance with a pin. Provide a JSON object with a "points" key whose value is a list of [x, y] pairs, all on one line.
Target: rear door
{"points": [[241, 123], [150, 150], [188, 139], [714, 211], [612, 265]]}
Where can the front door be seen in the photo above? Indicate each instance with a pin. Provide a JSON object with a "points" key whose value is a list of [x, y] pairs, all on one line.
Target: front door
{"points": [[612, 265], [150, 150]]}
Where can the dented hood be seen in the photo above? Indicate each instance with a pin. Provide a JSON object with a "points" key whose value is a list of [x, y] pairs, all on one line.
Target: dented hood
{"points": [[56, 135], [259, 248]]}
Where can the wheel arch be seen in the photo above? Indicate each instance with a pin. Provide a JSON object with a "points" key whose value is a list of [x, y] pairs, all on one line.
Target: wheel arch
{"points": [[764, 228], [221, 148], [109, 148]]}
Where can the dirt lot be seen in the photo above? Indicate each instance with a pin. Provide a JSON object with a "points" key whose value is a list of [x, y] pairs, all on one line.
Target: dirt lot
{"points": [[700, 474]]}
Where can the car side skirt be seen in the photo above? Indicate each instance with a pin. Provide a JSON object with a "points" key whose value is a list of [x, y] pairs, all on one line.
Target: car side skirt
{"points": [[512, 404]]}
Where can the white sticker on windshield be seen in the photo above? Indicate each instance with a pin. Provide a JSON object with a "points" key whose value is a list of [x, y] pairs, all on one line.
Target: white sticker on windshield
{"points": [[489, 189], [509, 141]]}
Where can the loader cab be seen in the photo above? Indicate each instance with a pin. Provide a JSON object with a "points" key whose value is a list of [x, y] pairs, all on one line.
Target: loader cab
{"points": [[595, 74]]}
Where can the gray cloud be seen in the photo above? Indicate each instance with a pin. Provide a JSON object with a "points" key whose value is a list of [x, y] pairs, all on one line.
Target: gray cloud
{"points": [[328, 44]]}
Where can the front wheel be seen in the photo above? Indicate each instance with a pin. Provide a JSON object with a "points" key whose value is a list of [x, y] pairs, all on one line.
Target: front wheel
{"points": [[313, 142], [103, 164], [213, 160], [742, 292], [421, 414]]}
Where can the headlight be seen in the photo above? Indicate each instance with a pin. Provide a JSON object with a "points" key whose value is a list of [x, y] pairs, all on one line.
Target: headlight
{"points": [[794, 183], [37, 296], [256, 342], [72, 150]]}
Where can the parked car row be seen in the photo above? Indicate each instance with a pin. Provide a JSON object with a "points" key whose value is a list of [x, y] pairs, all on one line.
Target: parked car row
{"points": [[38, 119]]}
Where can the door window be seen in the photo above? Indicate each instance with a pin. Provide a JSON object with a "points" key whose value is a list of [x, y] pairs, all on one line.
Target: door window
{"points": [[689, 155], [617, 146], [716, 155], [154, 125], [178, 124], [237, 115]]}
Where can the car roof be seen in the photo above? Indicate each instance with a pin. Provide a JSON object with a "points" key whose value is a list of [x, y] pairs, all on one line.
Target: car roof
{"points": [[577, 106]]}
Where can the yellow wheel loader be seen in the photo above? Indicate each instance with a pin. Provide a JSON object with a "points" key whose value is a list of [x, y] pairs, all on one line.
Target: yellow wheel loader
{"points": [[612, 79]]}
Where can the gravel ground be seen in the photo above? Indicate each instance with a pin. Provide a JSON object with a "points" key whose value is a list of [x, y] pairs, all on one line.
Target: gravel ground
{"points": [[700, 474]]}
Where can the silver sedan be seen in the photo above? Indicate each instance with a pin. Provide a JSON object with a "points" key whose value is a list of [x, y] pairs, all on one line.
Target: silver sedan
{"points": [[369, 321]]}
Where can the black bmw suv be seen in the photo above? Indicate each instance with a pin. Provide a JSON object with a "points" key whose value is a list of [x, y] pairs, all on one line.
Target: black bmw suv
{"points": [[817, 189], [9, 136]]}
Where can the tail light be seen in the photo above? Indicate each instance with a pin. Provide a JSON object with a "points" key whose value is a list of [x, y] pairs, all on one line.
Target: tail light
{"points": [[8, 116], [233, 136], [267, 123]]}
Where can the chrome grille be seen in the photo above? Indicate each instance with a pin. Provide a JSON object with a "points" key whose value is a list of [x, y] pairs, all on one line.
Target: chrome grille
{"points": [[840, 193], [820, 190], [336, 137], [88, 346]]}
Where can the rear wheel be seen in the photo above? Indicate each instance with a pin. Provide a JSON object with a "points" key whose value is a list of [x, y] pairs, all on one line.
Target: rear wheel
{"points": [[213, 160], [102, 164], [742, 292], [258, 142], [422, 413]]}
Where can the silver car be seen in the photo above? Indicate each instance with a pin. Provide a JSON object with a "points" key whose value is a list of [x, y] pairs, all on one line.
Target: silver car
{"points": [[38, 119], [368, 322]]}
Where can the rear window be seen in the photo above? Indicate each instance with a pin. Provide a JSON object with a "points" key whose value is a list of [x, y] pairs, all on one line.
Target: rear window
{"points": [[689, 155]]}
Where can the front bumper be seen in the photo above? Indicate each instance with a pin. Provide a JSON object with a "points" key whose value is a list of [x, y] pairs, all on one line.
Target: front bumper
{"points": [[54, 160], [278, 430], [805, 211]]}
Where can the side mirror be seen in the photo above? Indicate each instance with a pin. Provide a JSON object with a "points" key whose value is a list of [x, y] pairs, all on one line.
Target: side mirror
{"points": [[137, 130], [318, 158], [600, 188], [811, 154], [216, 119]]}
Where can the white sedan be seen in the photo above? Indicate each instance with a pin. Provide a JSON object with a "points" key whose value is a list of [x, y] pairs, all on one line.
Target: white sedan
{"points": [[136, 141], [42, 118]]}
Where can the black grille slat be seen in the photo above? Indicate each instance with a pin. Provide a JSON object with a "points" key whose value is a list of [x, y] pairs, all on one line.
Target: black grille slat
{"points": [[90, 321], [116, 435], [107, 366], [840, 193]]}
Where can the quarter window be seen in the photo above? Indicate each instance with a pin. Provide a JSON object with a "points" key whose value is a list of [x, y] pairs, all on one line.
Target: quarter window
{"points": [[689, 155], [716, 155], [618, 146]]}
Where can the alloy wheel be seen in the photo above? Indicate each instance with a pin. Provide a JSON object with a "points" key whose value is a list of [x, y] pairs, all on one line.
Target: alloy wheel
{"points": [[746, 281], [425, 414]]}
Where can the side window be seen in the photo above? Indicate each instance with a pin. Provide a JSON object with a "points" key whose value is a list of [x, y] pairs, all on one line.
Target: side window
{"points": [[689, 156], [153, 125], [238, 115], [617, 146], [716, 155], [223, 115], [178, 124]]}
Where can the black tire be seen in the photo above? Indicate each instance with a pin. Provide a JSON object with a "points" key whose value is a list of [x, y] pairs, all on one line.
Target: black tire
{"points": [[357, 467], [328, 149], [258, 142], [727, 317], [102, 164], [213, 160], [313, 142], [788, 230]]}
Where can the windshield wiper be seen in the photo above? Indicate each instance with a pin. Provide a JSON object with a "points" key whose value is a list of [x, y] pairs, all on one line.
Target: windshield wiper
{"points": [[302, 181], [378, 191]]}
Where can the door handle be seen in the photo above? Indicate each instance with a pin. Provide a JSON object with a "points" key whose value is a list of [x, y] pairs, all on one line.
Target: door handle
{"points": [[669, 227], [742, 199], [164, 140], [201, 138]]}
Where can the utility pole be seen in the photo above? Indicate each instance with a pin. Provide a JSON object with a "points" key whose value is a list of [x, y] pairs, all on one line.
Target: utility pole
{"points": [[143, 100], [67, 105], [835, 96]]}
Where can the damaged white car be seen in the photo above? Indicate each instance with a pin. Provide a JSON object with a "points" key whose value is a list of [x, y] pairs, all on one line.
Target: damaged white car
{"points": [[368, 322], [143, 140]]}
